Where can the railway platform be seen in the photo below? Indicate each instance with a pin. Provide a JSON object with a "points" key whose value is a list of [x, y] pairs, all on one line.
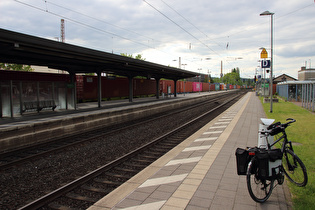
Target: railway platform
{"points": [[200, 173], [48, 125], [88, 107]]}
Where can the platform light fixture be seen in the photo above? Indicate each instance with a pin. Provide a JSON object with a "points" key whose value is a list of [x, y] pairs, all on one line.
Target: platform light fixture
{"points": [[271, 56]]}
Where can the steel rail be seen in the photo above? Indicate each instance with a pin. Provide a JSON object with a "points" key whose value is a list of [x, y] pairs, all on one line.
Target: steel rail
{"points": [[78, 182], [31, 156]]}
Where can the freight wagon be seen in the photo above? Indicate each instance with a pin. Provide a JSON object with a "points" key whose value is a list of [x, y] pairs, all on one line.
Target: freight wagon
{"points": [[112, 87]]}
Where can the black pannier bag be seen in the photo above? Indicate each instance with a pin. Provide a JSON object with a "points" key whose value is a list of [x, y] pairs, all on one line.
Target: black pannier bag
{"points": [[275, 161], [263, 163], [275, 154], [242, 160], [269, 162]]}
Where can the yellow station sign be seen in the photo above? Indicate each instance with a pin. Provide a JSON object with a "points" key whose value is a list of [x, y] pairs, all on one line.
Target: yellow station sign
{"points": [[264, 53]]}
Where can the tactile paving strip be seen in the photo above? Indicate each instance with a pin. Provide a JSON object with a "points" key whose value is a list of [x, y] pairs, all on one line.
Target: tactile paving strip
{"points": [[176, 182]]}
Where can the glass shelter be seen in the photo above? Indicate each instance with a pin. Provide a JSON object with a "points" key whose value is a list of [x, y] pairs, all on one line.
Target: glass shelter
{"points": [[299, 91], [23, 92]]}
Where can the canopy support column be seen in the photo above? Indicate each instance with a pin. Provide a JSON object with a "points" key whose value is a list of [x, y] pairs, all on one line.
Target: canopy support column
{"points": [[130, 78], [74, 89], [175, 87], [157, 80], [99, 89]]}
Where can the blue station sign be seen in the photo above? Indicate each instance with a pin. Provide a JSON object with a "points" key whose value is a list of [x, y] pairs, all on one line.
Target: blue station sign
{"points": [[265, 64]]}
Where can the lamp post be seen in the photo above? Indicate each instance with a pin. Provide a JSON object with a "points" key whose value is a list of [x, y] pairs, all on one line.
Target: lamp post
{"points": [[271, 58]]}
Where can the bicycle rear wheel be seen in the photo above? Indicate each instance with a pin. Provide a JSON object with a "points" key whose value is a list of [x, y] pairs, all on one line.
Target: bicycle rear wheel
{"points": [[294, 168], [259, 189]]}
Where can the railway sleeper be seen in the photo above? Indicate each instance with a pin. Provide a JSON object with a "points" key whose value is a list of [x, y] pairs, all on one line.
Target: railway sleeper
{"points": [[8, 159], [172, 141], [161, 150], [107, 182], [165, 146], [135, 165], [121, 176], [152, 152], [148, 156], [141, 160], [171, 144], [20, 156], [75, 196], [56, 206], [179, 138], [95, 189], [129, 170]]}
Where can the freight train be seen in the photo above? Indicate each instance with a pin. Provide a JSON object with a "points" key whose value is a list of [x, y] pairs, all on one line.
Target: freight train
{"points": [[86, 86], [118, 87]]}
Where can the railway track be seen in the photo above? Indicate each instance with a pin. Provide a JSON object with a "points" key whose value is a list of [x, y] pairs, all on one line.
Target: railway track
{"points": [[86, 190], [20, 156]]}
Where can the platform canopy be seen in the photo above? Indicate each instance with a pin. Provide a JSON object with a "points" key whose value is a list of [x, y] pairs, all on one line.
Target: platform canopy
{"points": [[31, 50]]}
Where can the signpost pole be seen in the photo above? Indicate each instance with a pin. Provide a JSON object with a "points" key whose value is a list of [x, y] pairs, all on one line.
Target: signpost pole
{"points": [[264, 64], [271, 59]]}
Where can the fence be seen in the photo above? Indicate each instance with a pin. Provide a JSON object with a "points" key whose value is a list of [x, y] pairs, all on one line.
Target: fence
{"points": [[302, 91], [308, 96]]}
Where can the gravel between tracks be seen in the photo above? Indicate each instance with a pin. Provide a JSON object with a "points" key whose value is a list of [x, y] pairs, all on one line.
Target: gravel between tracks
{"points": [[23, 184]]}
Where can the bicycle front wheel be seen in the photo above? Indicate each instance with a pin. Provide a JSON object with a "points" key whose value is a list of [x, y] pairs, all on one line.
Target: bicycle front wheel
{"points": [[294, 168], [259, 189]]}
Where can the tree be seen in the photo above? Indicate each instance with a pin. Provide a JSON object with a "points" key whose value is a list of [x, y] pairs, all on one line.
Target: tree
{"points": [[232, 78], [126, 55], [207, 78], [217, 80], [139, 56], [16, 67]]}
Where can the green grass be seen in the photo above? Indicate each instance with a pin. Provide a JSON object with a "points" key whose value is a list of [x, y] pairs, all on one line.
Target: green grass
{"points": [[303, 133]]}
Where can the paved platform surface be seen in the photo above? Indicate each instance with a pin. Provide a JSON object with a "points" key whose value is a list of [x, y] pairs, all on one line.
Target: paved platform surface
{"points": [[200, 173]]}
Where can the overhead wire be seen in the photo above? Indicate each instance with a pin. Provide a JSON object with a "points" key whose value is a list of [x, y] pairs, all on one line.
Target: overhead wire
{"points": [[128, 39], [102, 30], [184, 18], [190, 23], [259, 24], [80, 23], [180, 27], [88, 26], [188, 31], [102, 21]]}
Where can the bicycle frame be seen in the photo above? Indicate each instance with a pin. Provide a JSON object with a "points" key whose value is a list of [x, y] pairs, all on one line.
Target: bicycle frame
{"points": [[281, 162], [284, 146], [285, 142]]}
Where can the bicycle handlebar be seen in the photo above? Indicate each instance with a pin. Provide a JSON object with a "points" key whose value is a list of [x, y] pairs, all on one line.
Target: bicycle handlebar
{"points": [[277, 127], [291, 121], [278, 124]]}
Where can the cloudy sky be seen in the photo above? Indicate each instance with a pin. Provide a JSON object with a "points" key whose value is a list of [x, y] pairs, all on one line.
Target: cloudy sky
{"points": [[202, 32]]}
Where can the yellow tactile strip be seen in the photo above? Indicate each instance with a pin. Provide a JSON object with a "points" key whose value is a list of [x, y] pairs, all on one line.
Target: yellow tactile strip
{"points": [[190, 182], [193, 180]]}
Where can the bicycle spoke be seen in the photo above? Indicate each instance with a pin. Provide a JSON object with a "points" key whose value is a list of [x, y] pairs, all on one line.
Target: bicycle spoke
{"points": [[259, 189], [294, 168]]}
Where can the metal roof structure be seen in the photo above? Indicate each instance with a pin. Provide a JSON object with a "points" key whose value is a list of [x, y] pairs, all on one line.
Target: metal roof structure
{"points": [[31, 50], [303, 82]]}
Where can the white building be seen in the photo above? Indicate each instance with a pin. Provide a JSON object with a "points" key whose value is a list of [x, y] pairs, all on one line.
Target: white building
{"points": [[306, 74]]}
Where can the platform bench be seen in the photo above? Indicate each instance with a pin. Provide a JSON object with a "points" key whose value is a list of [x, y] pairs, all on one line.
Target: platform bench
{"points": [[34, 105], [47, 104]]}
